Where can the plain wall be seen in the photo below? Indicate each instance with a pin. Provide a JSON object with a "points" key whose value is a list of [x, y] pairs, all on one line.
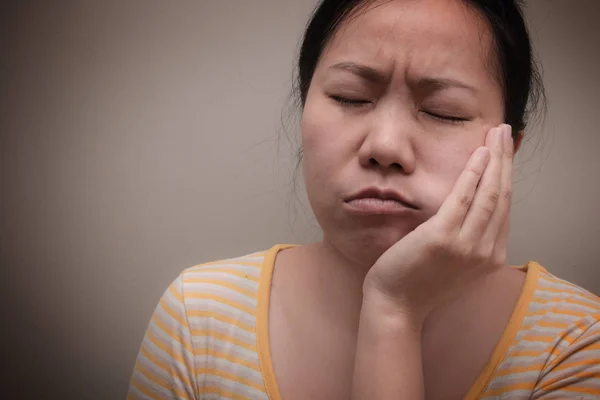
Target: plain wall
{"points": [[141, 137]]}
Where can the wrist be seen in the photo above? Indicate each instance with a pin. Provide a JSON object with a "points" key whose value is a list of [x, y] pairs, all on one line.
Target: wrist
{"points": [[388, 361], [391, 312]]}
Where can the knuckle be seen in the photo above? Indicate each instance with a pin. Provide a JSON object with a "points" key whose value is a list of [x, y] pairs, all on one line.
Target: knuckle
{"points": [[440, 244], [492, 194], [484, 253], [476, 173], [465, 200], [507, 194], [499, 259], [487, 209], [488, 252], [463, 251], [479, 259]]}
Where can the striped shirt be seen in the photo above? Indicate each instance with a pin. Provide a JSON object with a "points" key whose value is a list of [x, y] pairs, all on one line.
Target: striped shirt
{"points": [[208, 339]]}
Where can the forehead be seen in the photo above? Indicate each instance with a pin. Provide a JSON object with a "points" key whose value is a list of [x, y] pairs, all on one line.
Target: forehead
{"points": [[418, 37]]}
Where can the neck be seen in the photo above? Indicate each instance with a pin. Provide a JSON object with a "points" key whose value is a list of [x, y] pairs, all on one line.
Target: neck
{"points": [[336, 281]]}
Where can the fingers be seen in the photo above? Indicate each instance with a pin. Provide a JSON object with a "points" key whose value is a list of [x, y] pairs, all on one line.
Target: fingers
{"points": [[497, 230], [487, 196], [499, 252], [456, 206]]}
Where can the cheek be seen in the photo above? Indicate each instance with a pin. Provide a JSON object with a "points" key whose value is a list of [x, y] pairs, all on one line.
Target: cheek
{"points": [[314, 147], [318, 126], [324, 143], [317, 155]]}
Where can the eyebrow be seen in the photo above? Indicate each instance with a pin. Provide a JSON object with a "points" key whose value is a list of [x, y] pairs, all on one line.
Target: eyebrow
{"points": [[373, 75], [368, 73], [436, 84]]}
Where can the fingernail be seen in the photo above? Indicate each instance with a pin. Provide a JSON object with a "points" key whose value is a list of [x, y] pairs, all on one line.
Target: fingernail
{"points": [[500, 134], [507, 131]]}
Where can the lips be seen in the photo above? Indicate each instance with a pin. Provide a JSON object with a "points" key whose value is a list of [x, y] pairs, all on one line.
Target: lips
{"points": [[386, 198]]}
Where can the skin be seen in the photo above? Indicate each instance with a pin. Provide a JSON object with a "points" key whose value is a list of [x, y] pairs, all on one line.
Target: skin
{"points": [[391, 294]]}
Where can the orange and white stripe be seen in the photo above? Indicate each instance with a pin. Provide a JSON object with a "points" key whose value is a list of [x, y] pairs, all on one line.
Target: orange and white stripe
{"points": [[208, 339]]}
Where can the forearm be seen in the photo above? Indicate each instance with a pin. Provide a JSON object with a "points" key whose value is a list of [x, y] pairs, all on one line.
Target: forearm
{"points": [[388, 364]]}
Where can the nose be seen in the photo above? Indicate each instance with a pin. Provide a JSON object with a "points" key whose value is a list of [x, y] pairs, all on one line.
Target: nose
{"points": [[388, 146]]}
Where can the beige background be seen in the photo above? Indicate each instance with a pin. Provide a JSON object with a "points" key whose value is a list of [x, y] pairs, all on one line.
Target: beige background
{"points": [[140, 137]]}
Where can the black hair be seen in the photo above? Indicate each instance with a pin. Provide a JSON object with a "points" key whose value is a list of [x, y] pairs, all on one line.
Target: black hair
{"points": [[518, 73]]}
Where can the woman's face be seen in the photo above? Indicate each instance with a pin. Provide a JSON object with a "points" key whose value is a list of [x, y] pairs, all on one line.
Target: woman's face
{"points": [[402, 95]]}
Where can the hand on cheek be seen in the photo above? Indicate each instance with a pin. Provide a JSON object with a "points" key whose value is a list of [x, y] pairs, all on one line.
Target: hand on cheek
{"points": [[463, 241]]}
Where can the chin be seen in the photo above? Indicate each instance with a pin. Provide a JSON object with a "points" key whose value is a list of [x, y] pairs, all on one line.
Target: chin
{"points": [[365, 244]]}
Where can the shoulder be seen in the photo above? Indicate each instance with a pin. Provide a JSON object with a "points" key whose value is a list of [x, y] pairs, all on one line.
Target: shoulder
{"points": [[230, 285], [202, 336], [565, 311], [558, 311], [556, 351], [557, 299], [567, 318], [227, 290], [220, 275]]}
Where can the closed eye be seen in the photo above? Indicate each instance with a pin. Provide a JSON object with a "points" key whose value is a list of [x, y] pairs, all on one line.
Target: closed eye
{"points": [[446, 118], [350, 102]]}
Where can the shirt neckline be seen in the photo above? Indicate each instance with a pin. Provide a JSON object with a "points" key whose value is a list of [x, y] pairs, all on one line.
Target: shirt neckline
{"points": [[263, 343], [532, 269]]}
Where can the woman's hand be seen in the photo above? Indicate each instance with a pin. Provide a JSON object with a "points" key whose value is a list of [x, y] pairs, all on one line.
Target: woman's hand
{"points": [[464, 241]]}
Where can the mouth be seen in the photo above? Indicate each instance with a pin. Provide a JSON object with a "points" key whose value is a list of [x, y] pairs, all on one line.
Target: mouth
{"points": [[376, 201]]}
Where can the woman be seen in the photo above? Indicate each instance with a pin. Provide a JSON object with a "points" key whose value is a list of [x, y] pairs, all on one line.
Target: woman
{"points": [[412, 111]]}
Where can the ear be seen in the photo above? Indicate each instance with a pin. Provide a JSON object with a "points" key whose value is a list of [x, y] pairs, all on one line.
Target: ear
{"points": [[518, 140]]}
